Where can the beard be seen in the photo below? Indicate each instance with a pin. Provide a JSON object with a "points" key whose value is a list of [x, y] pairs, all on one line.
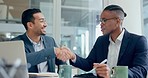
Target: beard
{"points": [[43, 33]]}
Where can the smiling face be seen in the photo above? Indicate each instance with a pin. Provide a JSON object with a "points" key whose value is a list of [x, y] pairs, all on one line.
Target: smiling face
{"points": [[38, 25], [110, 22]]}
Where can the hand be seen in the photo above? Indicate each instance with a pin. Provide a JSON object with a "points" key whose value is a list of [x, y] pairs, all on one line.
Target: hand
{"points": [[102, 70], [60, 54], [57, 51], [68, 53], [64, 53]]}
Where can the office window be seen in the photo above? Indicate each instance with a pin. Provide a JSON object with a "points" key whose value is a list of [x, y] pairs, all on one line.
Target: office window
{"points": [[10, 10], [145, 17], [78, 25]]}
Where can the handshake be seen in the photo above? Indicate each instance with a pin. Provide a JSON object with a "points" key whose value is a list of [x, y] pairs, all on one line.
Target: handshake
{"points": [[64, 54]]}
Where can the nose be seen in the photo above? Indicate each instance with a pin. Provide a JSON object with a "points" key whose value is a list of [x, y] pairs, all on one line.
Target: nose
{"points": [[45, 24], [101, 24]]}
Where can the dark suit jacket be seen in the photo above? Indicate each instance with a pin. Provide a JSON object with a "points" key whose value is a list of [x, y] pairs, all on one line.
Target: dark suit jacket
{"points": [[133, 53], [47, 54]]}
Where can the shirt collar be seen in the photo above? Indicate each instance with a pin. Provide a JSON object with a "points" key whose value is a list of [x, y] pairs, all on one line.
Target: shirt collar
{"points": [[41, 40], [119, 38]]}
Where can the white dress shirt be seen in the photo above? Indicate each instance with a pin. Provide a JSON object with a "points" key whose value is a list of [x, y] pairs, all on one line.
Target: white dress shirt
{"points": [[42, 67], [114, 48]]}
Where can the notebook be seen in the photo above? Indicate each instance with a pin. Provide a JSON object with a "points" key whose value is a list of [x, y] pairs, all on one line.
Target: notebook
{"points": [[44, 75]]}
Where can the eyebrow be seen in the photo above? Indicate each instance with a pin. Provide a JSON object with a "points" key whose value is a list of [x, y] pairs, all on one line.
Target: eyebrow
{"points": [[41, 18]]}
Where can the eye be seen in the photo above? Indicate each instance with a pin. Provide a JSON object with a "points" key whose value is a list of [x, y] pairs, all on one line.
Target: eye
{"points": [[42, 20], [104, 20]]}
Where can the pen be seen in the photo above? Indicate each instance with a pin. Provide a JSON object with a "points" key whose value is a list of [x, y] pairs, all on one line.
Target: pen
{"points": [[93, 70], [104, 61]]}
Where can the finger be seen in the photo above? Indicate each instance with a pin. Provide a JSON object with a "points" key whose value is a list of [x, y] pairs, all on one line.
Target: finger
{"points": [[103, 70], [60, 55], [95, 65], [102, 67], [62, 58], [57, 51], [103, 74], [67, 52], [66, 56], [66, 48]]}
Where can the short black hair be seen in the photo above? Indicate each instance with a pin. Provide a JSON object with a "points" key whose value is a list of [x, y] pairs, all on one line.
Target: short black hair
{"points": [[27, 16], [114, 8]]}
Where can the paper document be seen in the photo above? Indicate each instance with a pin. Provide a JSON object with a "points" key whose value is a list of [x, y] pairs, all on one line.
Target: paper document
{"points": [[46, 74]]}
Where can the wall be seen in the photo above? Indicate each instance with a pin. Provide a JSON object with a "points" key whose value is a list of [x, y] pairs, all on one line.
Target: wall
{"points": [[133, 22]]}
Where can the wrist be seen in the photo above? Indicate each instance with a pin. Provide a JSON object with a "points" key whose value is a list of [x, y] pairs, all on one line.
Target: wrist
{"points": [[56, 51], [73, 57]]}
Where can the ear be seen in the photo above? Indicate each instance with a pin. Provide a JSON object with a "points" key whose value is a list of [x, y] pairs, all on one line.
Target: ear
{"points": [[29, 25], [119, 21]]}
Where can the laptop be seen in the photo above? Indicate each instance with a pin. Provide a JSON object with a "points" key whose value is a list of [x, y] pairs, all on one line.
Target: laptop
{"points": [[14, 56], [10, 51]]}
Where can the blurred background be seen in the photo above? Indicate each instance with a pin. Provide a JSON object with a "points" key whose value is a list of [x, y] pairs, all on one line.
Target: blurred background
{"points": [[73, 23]]}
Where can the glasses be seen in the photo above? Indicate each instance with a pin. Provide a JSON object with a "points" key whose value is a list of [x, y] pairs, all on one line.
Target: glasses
{"points": [[104, 20]]}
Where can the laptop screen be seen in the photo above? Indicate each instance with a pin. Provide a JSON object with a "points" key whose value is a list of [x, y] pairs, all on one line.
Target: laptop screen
{"points": [[13, 54], [10, 51]]}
